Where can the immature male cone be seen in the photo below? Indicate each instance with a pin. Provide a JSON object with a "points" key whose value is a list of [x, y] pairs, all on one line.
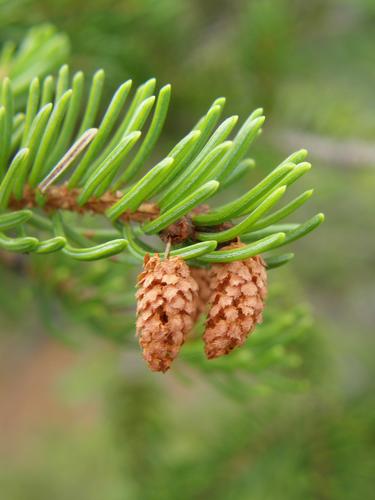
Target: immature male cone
{"points": [[166, 308], [236, 305]]}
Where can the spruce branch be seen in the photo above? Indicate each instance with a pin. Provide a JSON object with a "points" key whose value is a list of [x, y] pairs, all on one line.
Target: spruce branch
{"points": [[86, 184], [59, 156]]}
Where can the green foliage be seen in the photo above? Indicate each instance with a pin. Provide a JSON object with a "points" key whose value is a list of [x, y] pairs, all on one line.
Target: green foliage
{"points": [[42, 50], [60, 137]]}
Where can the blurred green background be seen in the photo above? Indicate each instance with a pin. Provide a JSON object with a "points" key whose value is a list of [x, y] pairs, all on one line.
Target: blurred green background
{"points": [[89, 421]]}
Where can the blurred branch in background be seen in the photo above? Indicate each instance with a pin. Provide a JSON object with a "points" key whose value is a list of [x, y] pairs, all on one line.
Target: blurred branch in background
{"points": [[351, 153]]}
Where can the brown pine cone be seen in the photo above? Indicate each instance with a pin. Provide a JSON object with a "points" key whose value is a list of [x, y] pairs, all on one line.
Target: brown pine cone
{"points": [[166, 309], [202, 277], [236, 305]]}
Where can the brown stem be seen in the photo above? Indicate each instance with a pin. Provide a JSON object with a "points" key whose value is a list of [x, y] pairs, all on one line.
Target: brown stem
{"points": [[62, 198]]}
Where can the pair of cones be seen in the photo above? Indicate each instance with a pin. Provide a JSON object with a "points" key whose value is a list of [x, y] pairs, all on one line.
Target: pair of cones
{"points": [[171, 296]]}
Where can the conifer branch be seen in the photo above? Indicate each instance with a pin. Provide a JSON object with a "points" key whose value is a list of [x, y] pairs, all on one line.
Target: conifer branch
{"points": [[59, 156]]}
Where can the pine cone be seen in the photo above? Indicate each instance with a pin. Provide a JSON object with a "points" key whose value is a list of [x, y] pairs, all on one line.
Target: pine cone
{"points": [[166, 309], [202, 278], [236, 304]]}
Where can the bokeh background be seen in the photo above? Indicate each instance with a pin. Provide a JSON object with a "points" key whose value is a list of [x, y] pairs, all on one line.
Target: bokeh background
{"points": [[85, 420]]}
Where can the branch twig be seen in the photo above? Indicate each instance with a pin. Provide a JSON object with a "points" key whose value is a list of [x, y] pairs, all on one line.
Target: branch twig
{"points": [[62, 198]]}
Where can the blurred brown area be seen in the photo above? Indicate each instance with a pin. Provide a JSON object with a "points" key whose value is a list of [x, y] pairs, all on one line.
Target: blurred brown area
{"points": [[29, 401]]}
